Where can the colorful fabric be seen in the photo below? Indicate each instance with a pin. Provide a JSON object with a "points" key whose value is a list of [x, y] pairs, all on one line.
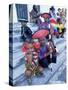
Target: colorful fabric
{"points": [[42, 52], [60, 27]]}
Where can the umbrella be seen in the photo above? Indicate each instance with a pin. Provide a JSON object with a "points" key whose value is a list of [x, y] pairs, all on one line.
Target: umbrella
{"points": [[45, 15], [40, 33]]}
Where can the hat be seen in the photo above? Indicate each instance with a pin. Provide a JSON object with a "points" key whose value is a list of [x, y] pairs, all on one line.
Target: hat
{"points": [[45, 15], [23, 20], [59, 9]]}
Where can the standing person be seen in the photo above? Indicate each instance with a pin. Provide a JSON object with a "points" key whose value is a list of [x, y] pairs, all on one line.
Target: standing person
{"points": [[26, 32], [52, 12], [34, 14], [39, 69], [53, 56], [59, 12], [31, 65], [60, 27], [63, 16], [46, 24], [32, 68]]}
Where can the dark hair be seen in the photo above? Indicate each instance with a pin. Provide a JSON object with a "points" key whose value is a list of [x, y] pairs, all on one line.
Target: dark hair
{"points": [[35, 8], [59, 9], [52, 8]]}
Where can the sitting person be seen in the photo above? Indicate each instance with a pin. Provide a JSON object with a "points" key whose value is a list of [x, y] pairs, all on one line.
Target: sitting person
{"points": [[43, 53]]}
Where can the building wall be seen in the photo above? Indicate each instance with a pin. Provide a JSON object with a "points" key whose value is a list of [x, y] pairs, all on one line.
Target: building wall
{"points": [[16, 57]]}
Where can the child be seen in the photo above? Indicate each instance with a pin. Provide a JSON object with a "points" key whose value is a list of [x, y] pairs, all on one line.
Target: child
{"points": [[38, 69], [29, 64], [32, 66]]}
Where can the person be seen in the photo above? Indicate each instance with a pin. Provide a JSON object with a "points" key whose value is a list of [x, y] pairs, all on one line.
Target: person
{"points": [[46, 23], [60, 27], [36, 45], [34, 15], [26, 32], [59, 12], [52, 12], [30, 66], [43, 52], [63, 16], [53, 56]]}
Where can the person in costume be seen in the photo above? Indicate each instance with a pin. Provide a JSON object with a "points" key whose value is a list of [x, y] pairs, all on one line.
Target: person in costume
{"points": [[43, 53], [60, 28]]}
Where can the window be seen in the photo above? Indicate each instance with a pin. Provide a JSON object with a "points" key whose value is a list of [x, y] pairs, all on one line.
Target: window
{"points": [[22, 12]]}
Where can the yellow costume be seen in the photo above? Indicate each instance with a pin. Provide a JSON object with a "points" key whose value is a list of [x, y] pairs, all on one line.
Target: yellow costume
{"points": [[60, 26]]}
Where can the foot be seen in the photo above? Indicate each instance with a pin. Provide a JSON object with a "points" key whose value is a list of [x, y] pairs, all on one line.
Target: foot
{"points": [[57, 36], [62, 36], [29, 80], [39, 74]]}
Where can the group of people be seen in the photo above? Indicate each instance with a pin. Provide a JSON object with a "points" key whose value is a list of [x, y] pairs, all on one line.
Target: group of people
{"points": [[39, 53], [59, 16]]}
